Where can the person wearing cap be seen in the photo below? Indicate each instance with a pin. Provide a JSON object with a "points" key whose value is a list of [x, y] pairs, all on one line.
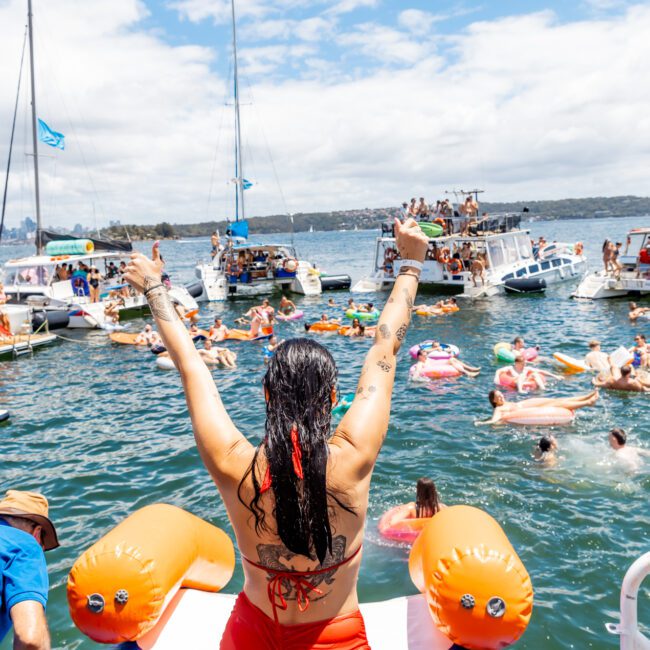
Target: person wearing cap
{"points": [[25, 532]]}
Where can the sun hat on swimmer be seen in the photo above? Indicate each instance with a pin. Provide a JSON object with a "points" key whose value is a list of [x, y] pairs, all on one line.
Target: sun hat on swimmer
{"points": [[32, 506]]}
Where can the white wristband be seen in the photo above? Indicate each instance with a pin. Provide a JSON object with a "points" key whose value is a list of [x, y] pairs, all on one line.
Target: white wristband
{"points": [[413, 264]]}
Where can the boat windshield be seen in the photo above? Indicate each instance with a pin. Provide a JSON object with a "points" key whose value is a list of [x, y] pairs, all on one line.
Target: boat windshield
{"points": [[505, 251], [634, 244], [28, 275]]}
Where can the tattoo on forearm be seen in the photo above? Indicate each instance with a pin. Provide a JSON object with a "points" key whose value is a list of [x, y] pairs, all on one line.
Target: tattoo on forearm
{"points": [[401, 332], [365, 394], [409, 299], [384, 365], [384, 331], [159, 301]]}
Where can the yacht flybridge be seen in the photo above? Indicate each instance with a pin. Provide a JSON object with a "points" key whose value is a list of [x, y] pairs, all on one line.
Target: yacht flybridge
{"points": [[479, 258], [242, 268], [633, 278]]}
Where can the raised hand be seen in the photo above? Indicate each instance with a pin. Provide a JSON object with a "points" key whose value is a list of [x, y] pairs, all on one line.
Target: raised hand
{"points": [[412, 243], [143, 273]]}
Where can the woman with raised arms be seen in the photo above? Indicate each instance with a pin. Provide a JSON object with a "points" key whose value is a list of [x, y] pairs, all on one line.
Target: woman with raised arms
{"points": [[297, 500]]}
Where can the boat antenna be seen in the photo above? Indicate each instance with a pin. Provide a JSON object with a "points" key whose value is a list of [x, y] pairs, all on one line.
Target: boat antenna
{"points": [[39, 243], [239, 172], [11, 140]]}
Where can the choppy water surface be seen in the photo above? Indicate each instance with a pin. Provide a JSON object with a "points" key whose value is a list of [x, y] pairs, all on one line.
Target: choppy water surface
{"points": [[102, 432]]}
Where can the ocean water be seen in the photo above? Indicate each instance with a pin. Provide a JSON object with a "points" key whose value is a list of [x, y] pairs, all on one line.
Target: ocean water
{"points": [[102, 432]]}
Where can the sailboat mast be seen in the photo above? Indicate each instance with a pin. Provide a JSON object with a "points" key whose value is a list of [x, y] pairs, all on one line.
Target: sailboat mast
{"points": [[39, 245], [240, 172]]}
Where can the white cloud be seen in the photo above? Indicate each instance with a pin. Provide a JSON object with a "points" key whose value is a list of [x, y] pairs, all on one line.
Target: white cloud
{"points": [[416, 21], [527, 106], [347, 6]]}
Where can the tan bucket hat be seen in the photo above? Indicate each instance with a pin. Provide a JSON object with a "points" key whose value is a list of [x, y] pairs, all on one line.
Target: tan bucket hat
{"points": [[32, 506]]}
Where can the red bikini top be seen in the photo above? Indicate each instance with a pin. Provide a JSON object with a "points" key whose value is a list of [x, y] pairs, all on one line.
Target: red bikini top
{"points": [[299, 580]]}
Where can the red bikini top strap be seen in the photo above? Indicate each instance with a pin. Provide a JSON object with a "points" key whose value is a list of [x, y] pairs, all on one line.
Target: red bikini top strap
{"points": [[298, 579]]}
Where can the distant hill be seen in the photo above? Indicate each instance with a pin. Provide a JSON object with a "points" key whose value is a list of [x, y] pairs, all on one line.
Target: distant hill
{"points": [[371, 218]]}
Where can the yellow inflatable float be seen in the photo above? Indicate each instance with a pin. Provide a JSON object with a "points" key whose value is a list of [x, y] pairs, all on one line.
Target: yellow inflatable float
{"points": [[153, 580]]}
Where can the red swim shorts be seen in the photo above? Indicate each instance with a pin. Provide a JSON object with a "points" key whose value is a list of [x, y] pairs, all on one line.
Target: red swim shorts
{"points": [[249, 628]]}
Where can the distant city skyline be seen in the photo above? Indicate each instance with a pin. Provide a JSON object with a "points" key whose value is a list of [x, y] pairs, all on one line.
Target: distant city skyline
{"points": [[345, 103]]}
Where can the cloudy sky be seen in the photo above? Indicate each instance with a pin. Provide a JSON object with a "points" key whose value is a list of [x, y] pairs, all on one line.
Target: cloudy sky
{"points": [[346, 103]]}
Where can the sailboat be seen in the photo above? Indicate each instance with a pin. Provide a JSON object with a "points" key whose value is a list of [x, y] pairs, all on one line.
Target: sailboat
{"points": [[243, 268], [37, 281]]}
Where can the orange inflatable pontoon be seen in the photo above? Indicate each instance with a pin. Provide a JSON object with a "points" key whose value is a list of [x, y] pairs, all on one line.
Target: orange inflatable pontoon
{"points": [[478, 591], [119, 588]]}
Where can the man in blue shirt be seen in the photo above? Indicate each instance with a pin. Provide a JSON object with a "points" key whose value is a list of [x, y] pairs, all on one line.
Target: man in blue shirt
{"points": [[25, 532]]}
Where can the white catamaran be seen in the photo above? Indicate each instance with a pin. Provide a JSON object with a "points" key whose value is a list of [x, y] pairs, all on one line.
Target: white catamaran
{"points": [[633, 278], [244, 268], [479, 257], [64, 298]]}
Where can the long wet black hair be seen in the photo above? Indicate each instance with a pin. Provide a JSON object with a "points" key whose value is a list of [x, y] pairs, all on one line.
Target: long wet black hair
{"points": [[299, 382], [427, 503]]}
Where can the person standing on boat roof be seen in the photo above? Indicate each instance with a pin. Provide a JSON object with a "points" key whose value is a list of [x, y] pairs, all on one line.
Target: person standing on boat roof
{"points": [[423, 210], [413, 209], [404, 212], [25, 533], [298, 500], [214, 242]]}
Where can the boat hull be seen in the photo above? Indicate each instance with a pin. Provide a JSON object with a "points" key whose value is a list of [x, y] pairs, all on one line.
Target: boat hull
{"points": [[599, 286]]}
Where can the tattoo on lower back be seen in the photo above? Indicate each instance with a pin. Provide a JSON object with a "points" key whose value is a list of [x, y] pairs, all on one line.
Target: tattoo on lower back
{"points": [[278, 558], [384, 331], [401, 332]]}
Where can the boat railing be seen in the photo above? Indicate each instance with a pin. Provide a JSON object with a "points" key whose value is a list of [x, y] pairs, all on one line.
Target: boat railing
{"points": [[490, 224]]}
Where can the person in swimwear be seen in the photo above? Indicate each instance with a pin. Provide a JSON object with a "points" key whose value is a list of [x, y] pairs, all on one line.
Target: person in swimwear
{"points": [[214, 242], [217, 356], [640, 352], [324, 318], [148, 336], [356, 329], [419, 370], [521, 374], [502, 407], [626, 382], [351, 305], [287, 307], [636, 311], [331, 303], [298, 500], [597, 359], [94, 278], [625, 454], [218, 330], [545, 451]]}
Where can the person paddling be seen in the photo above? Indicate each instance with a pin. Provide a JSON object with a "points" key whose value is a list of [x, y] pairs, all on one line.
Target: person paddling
{"points": [[298, 500]]}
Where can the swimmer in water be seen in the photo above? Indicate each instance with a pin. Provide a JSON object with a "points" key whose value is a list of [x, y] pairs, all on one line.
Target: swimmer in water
{"points": [[287, 307], [636, 312], [427, 502], [148, 336], [503, 408], [545, 451], [331, 303], [419, 371], [625, 454], [324, 318], [626, 382], [351, 305], [597, 359], [356, 329]]}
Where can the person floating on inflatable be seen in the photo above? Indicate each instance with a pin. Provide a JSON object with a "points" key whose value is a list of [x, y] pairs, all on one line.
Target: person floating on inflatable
{"points": [[538, 410], [287, 307], [148, 336], [421, 371], [404, 523], [521, 377], [297, 501]]}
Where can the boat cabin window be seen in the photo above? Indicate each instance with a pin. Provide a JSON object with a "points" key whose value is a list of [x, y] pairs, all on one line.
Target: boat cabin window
{"points": [[636, 243], [546, 265], [28, 275], [534, 268], [521, 272], [556, 262]]}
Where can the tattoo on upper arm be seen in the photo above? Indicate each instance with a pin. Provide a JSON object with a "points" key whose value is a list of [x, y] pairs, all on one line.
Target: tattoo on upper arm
{"points": [[384, 331], [278, 558], [401, 332]]}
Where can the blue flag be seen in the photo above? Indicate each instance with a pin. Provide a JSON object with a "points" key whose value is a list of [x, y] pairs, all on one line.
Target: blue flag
{"points": [[46, 135], [246, 185]]}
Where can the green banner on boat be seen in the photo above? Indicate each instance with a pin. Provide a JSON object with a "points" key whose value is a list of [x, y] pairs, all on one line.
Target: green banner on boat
{"points": [[431, 229], [70, 247]]}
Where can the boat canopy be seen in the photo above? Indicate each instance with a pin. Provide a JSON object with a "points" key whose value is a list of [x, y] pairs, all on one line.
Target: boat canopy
{"points": [[100, 244]]}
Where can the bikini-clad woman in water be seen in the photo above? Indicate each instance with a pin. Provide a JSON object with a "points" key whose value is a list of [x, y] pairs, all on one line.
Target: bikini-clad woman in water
{"points": [[298, 500], [502, 407]]}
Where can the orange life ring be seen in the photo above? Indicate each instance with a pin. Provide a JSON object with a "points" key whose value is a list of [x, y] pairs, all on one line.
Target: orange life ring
{"points": [[454, 265], [439, 221]]}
